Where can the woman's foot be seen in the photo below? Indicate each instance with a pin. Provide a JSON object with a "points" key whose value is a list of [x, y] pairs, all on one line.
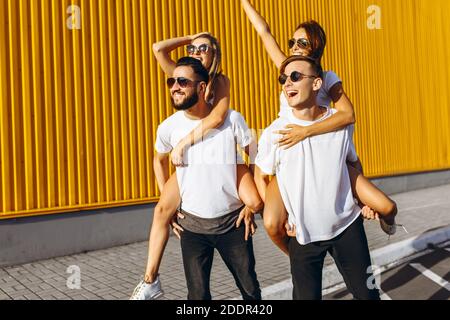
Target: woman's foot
{"points": [[390, 228], [147, 291]]}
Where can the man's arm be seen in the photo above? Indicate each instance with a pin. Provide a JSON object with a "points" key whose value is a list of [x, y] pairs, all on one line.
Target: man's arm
{"points": [[161, 169]]}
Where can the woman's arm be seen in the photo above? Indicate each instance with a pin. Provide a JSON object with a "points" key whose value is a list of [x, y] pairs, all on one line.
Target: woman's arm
{"points": [[344, 117], [263, 30], [214, 120], [162, 51]]}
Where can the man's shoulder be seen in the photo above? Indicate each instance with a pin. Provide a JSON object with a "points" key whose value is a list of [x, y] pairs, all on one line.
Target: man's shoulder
{"points": [[171, 121], [278, 124]]}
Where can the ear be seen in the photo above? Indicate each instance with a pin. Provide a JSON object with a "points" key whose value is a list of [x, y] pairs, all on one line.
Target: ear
{"points": [[317, 84], [202, 88]]}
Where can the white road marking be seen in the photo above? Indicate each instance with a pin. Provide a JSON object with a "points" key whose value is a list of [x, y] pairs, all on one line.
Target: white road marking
{"points": [[431, 275], [383, 295]]}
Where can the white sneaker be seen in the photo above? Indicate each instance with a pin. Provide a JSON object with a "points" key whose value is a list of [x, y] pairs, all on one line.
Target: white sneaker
{"points": [[147, 291]]}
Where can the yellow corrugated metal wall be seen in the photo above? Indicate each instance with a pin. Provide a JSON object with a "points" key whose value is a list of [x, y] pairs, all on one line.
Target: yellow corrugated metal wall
{"points": [[79, 108]]}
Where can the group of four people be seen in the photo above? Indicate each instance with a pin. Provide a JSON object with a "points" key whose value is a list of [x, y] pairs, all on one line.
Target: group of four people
{"points": [[306, 179]]}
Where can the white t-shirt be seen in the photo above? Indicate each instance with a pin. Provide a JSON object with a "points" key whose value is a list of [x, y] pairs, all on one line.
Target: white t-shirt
{"points": [[313, 179], [330, 79], [208, 183]]}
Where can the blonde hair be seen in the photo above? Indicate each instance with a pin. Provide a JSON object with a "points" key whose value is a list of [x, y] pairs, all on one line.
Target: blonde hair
{"points": [[215, 69]]}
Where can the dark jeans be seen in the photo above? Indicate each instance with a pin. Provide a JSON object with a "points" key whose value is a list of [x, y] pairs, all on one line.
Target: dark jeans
{"points": [[198, 252], [351, 254]]}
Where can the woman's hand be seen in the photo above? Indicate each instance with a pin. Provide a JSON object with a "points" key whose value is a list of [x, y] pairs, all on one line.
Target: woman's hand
{"points": [[292, 135], [177, 154], [195, 36], [369, 214]]}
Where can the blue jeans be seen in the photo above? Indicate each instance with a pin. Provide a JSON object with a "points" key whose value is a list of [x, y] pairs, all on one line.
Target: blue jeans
{"points": [[198, 253]]}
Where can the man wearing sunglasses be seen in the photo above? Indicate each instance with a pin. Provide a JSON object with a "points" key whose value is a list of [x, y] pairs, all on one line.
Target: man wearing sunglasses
{"points": [[315, 187], [208, 186]]}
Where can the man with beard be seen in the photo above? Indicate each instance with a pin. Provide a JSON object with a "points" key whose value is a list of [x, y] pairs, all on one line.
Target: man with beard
{"points": [[208, 186]]}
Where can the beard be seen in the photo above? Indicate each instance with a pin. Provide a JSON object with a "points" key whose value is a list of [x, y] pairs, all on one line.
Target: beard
{"points": [[188, 103]]}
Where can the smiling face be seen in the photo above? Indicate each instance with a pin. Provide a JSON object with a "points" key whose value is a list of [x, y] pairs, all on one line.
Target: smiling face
{"points": [[205, 58], [184, 98], [297, 50], [301, 93]]}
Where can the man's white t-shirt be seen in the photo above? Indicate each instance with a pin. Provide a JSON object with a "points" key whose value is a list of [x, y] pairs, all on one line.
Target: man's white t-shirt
{"points": [[330, 79], [208, 182], [313, 179]]}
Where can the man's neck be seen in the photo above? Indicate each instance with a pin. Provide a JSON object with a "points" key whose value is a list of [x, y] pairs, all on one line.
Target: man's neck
{"points": [[198, 112], [309, 113]]}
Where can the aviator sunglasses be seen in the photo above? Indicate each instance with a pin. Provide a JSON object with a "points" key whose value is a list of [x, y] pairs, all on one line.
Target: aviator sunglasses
{"points": [[182, 82], [302, 43]]}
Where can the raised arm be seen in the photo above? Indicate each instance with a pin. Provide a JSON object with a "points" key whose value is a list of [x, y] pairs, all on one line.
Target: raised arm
{"points": [[263, 30], [162, 51]]}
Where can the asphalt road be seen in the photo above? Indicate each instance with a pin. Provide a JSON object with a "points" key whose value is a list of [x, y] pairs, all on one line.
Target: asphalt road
{"points": [[424, 278]]}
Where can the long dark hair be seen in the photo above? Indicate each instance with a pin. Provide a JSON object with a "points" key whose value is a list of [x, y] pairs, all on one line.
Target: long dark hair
{"points": [[317, 38]]}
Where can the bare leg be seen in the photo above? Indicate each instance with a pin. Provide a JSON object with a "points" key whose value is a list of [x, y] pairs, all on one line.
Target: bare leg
{"points": [[368, 194], [248, 192], [275, 216], [159, 234]]}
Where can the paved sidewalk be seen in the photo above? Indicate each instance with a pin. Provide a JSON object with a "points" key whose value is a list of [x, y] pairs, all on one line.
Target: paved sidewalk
{"points": [[113, 273]]}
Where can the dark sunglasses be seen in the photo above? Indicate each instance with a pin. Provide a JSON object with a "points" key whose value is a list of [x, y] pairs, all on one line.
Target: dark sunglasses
{"points": [[182, 82], [295, 77], [202, 49], [302, 43]]}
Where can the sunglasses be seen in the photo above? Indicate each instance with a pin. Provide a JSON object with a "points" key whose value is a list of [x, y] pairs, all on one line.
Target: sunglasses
{"points": [[295, 77], [182, 82], [202, 49], [302, 43]]}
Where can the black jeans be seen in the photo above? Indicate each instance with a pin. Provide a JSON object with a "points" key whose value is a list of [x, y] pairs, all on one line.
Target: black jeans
{"points": [[351, 254], [198, 253]]}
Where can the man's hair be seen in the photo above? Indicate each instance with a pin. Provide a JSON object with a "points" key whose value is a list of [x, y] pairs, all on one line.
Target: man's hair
{"points": [[316, 36], [196, 66], [318, 71]]}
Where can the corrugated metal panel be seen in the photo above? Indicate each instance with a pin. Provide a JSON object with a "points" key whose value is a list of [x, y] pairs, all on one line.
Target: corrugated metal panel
{"points": [[79, 108]]}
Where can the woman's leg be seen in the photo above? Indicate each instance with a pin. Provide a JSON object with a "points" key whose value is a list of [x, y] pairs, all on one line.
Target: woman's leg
{"points": [[368, 194], [159, 234], [247, 190], [275, 216]]}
